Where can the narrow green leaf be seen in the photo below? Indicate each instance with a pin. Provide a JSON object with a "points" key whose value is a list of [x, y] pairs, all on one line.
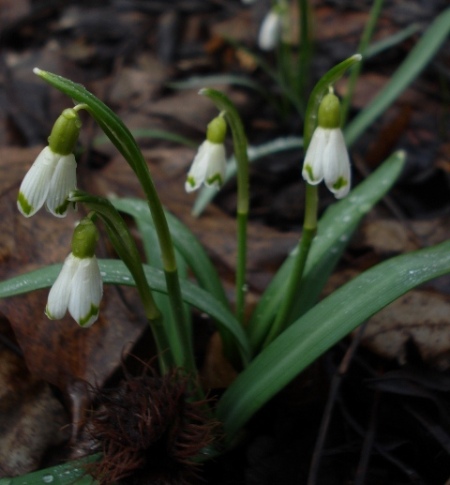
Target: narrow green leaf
{"points": [[334, 231], [185, 242], [153, 258], [323, 326], [71, 473], [115, 272], [214, 80], [417, 59], [151, 133], [387, 43]]}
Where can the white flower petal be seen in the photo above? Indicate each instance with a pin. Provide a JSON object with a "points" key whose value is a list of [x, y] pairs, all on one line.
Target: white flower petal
{"points": [[36, 184], [58, 298], [313, 170], [87, 291], [270, 31], [337, 165], [217, 165], [63, 181], [197, 172]]}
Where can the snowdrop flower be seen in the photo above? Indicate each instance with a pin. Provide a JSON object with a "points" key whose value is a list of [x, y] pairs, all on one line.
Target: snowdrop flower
{"points": [[53, 174], [209, 164], [270, 31], [327, 157], [273, 26], [79, 286]]}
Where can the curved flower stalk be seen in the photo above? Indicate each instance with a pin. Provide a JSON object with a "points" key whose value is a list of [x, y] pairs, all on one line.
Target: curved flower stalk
{"points": [[79, 286], [176, 335], [327, 157], [53, 174], [209, 165]]}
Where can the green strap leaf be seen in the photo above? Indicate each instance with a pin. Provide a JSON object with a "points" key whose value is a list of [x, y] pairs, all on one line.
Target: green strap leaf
{"points": [[115, 272], [417, 59], [334, 231], [185, 242], [193, 254], [71, 473], [323, 326]]}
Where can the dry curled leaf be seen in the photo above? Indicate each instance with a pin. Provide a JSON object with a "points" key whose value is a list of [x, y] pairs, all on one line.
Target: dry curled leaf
{"points": [[419, 317], [31, 418]]}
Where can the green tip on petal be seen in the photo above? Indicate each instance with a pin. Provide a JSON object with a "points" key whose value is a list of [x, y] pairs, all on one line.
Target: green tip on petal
{"points": [[48, 314], [93, 312], [24, 205], [309, 171], [215, 180], [62, 209], [340, 182], [190, 181]]}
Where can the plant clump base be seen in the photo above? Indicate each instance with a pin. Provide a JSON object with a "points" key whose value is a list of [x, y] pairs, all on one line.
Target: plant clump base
{"points": [[149, 430]]}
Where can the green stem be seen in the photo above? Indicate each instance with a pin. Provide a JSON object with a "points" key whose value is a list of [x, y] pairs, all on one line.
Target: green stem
{"points": [[240, 152], [282, 319], [125, 247], [362, 48], [241, 287], [120, 136], [179, 346]]}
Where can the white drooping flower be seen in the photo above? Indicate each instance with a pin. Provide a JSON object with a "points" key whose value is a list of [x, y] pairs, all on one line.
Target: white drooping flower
{"points": [[78, 287], [209, 165], [275, 26], [327, 156], [53, 174], [270, 30], [49, 180]]}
